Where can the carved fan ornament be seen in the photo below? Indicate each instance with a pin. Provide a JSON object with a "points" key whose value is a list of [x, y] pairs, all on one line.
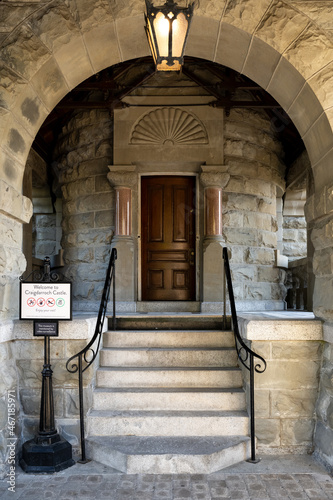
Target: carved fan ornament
{"points": [[169, 126]]}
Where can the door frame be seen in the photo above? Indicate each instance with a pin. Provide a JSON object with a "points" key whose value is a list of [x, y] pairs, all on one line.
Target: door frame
{"points": [[197, 227]]}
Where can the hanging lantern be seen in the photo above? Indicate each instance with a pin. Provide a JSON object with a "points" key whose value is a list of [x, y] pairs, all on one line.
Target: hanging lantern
{"points": [[167, 29]]}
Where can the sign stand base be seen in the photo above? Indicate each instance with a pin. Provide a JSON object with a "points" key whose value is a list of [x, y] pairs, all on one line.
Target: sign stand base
{"points": [[46, 455]]}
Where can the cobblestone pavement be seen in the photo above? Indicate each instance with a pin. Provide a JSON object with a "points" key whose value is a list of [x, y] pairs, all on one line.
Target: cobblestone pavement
{"points": [[95, 481]]}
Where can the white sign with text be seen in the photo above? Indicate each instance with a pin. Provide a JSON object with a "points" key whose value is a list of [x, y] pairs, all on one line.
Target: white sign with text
{"points": [[46, 301]]}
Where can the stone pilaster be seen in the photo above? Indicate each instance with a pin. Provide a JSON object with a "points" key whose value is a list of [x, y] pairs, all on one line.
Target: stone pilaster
{"points": [[213, 179], [123, 179]]}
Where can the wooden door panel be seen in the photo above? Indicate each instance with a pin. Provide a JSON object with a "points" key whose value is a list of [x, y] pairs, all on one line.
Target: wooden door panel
{"points": [[180, 202], [155, 214], [168, 238]]}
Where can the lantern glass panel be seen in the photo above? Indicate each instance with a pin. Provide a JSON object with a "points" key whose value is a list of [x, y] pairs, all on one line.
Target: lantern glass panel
{"points": [[179, 27], [162, 26]]}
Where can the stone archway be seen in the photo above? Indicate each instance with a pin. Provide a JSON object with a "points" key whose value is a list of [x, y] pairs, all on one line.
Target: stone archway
{"points": [[48, 50]]}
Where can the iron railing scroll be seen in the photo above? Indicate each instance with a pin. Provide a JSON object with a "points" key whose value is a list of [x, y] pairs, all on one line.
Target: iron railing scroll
{"points": [[81, 361], [245, 354]]}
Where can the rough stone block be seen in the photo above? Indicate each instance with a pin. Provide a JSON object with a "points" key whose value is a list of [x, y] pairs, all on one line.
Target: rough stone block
{"points": [[232, 219], [76, 222], [34, 349], [24, 52], [72, 347], [310, 52], [270, 274], [289, 375], [243, 273], [297, 431], [102, 184], [267, 206], [297, 350], [323, 440], [235, 236], [321, 85], [74, 190], [30, 400], [234, 201], [261, 256], [322, 303], [78, 255], [71, 402], [262, 403], [105, 218], [94, 202], [268, 431], [268, 239], [258, 221], [295, 404]]}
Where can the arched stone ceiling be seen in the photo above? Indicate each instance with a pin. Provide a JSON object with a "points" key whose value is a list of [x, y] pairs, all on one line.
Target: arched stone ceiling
{"points": [[47, 48]]}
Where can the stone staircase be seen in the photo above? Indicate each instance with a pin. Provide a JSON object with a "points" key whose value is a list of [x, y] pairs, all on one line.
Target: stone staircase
{"points": [[168, 397]]}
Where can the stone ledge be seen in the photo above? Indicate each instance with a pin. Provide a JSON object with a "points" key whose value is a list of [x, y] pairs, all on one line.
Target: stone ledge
{"points": [[282, 325], [81, 327]]}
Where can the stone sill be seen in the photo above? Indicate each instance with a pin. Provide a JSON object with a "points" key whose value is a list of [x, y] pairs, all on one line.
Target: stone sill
{"points": [[81, 327], [284, 325]]}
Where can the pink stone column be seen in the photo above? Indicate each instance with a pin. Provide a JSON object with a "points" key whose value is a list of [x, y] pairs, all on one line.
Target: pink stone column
{"points": [[123, 211], [213, 211]]}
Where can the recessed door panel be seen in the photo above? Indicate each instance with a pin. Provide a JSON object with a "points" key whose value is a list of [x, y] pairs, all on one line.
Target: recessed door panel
{"points": [[168, 238]]}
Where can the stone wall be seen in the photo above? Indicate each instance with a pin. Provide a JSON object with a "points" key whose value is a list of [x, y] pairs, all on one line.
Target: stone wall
{"points": [[286, 393], [8, 390], [253, 159], [83, 154]]}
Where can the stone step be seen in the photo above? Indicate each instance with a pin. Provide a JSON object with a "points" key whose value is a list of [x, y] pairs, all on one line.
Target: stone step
{"points": [[169, 377], [167, 423], [190, 399], [167, 338], [169, 322], [159, 357], [168, 455]]}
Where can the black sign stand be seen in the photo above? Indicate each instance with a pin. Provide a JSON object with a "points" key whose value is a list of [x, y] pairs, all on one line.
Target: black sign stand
{"points": [[48, 452]]}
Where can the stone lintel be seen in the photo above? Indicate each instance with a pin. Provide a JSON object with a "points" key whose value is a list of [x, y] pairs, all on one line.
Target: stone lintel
{"points": [[264, 326], [13, 204]]}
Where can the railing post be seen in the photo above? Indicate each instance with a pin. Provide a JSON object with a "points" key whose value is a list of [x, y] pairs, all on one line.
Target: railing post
{"points": [[114, 289], [83, 442], [224, 286], [253, 459]]}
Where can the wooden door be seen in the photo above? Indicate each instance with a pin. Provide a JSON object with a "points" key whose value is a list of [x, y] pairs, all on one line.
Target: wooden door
{"points": [[168, 238]]}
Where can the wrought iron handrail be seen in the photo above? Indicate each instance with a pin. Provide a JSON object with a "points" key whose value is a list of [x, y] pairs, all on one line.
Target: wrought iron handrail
{"points": [[82, 356], [244, 353]]}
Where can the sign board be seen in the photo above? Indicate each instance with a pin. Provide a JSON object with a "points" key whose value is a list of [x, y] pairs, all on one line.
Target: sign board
{"points": [[46, 301], [48, 328]]}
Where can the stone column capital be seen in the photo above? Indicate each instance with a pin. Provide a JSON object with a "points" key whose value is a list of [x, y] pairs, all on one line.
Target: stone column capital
{"points": [[214, 176], [122, 176]]}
